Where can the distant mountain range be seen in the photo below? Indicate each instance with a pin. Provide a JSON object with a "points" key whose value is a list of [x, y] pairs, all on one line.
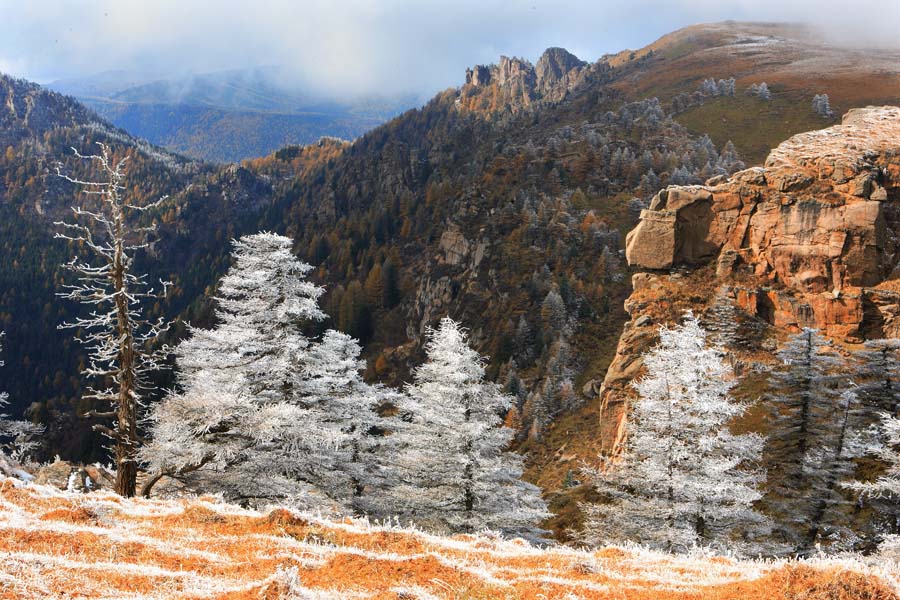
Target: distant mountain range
{"points": [[227, 116]]}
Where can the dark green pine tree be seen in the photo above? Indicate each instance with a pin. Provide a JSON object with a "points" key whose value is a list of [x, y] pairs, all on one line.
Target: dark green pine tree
{"points": [[814, 412], [879, 375]]}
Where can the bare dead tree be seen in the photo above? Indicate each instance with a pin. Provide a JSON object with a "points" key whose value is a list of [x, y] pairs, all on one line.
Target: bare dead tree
{"points": [[123, 343]]}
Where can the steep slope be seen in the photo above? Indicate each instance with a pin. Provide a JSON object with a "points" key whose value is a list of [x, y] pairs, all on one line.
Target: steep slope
{"points": [[100, 545], [809, 240], [494, 198], [39, 130], [795, 61], [498, 205]]}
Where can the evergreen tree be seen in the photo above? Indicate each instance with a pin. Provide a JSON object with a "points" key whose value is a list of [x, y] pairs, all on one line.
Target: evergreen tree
{"points": [[453, 470], [879, 375], [553, 312], [265, 413], [760, 90], [226, 429], [814, 414], [684, 479], [524, 340], [879, 378], [337, 451], [822, 106]]}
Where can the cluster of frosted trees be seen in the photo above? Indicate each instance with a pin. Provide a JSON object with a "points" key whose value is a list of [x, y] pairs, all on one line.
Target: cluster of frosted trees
{"points": [[760, 90], [686, 480], [264, 413], [722, 87], [822, 106]]}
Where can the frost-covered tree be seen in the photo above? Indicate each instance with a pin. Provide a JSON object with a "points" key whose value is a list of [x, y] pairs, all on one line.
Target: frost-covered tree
{"points": [[722, 87], [708, 87], [265, 413], [814, 416], [452, 467], [760, 90], [728, 161], [338, 448], [879, 388], [524, 340], [553, 312], [731, 327], [879, 375], [684, 479], [884, 491], [725, 87], [123, 344], [17, 438], [822, 106], [225, 429]]}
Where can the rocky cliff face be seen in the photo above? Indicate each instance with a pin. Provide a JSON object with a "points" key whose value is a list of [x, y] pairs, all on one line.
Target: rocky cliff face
{"points": [[519, 83], [808, 240]]}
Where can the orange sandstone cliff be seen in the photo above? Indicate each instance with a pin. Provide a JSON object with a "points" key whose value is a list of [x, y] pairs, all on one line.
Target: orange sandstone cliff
{"points": [[808, 240]]}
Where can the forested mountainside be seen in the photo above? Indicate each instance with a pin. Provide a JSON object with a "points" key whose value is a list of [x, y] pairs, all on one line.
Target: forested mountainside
{"points": [[227, 116], [504, 203], [40, 130]]}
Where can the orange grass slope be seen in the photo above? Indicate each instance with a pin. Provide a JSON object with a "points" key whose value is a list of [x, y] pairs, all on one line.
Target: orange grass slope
{"points": [[60, 545]]}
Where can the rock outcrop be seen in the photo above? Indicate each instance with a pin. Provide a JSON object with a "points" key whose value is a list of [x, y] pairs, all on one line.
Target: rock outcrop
{"points": [[556, 71], [518, 83], [814, 230], [808, 240]]}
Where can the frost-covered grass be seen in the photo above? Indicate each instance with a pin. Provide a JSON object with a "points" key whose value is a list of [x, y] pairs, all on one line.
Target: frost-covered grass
{"points": [[57, 544]]}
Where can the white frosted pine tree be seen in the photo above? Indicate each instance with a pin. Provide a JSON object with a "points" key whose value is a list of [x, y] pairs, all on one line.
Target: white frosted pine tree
{"points": [[452, 469], [265, 413], [227, 428], [684, 479], [17, 437], [338, 449]]}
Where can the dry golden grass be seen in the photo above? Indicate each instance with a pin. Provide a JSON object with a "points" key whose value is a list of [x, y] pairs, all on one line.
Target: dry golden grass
{"points": [[59, 545]]}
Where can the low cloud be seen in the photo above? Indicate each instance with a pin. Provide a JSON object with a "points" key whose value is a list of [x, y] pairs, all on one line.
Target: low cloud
{"points": [[371, 46]]}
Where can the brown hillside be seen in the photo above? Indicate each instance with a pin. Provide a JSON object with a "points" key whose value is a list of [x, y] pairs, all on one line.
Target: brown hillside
{"points": [[795, 61]]}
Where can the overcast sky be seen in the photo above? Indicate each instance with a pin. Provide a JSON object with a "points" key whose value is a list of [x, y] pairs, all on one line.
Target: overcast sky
{"points": [[362, 46]]}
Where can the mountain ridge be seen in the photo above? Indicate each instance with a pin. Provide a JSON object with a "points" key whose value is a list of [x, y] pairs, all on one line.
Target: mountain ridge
{"points": [[229, 116]]}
